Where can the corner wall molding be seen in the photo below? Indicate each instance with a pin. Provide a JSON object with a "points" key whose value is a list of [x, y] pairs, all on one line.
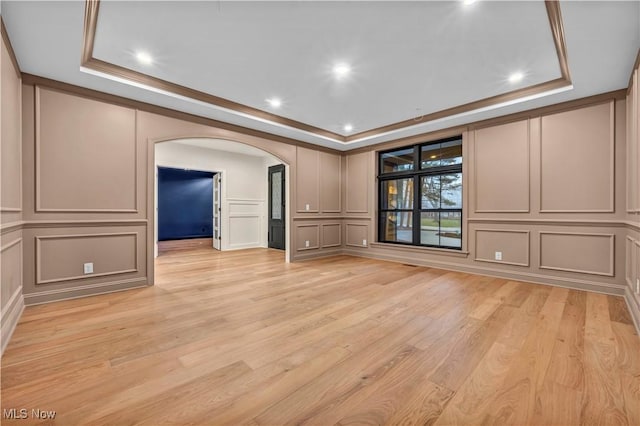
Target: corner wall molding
{"points": [[12, 53], [38, 257]]}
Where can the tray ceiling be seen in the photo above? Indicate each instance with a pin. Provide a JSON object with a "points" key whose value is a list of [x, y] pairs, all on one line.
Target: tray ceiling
{"points": [[408, 59]]}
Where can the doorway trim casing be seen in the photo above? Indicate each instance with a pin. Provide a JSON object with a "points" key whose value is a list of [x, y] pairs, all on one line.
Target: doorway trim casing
{"points": [[152, 195]]}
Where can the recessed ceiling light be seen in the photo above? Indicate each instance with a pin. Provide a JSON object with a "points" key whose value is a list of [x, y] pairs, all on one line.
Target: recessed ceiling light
{"points": [[341, 70], [348, 127], [516, 77], [468, 2], [275, 102], [144, 58]]}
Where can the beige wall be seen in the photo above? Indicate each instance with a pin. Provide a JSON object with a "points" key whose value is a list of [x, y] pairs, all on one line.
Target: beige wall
{"points": [[632, 239], [11, 237], [546, 188], [318, 209], [89, 180]]}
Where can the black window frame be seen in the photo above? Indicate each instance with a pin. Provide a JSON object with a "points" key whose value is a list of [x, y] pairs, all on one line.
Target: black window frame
{"points": [[416, 174]]}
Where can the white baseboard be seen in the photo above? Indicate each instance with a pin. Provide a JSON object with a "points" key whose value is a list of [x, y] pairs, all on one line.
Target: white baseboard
{"points": [[243, 246], [574, 284], [10, 317], [83, 291], [318, 254]]}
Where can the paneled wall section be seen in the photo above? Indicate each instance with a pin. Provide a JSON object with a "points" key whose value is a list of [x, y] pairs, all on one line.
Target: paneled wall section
{"points": [[88, 190], [317, 224], [632, 239], [11, 198], [545, 189]]}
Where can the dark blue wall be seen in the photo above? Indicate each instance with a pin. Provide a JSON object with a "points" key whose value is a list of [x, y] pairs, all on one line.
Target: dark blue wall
{"points": [[185, 204]]}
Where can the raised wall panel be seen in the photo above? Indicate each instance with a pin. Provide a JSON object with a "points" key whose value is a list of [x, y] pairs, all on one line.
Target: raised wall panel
{"points": [[331, 235], [577, 160], [502, 168], [309, 233], [11, 158], [356, 234], [61, 257], [11, 271], [630, 261], [636, 263], [85, 155], [357, 183], [238, 207], [636, 141], [330, 172], [244, 231], [633, 147], [246, 220], [514, 245], [307, 180], [583, 253]]}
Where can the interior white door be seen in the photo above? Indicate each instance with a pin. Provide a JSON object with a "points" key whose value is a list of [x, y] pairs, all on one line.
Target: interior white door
{"points": [[217, 181]]}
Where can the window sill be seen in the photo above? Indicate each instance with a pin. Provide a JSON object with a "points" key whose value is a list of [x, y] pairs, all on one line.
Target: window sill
{"points": [[417, 249]]}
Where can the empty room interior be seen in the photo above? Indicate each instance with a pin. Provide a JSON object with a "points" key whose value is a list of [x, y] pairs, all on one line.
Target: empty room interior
{"points": [[320, 212]]}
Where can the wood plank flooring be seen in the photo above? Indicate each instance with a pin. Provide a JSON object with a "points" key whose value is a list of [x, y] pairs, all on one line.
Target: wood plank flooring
{"points": [[244, 338], [170, 246]]}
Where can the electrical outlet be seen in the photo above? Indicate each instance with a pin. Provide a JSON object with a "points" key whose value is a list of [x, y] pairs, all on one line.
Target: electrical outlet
{"points": [[88, 268], [364, 242], [306, 243], [306, 207], [498, 255]]}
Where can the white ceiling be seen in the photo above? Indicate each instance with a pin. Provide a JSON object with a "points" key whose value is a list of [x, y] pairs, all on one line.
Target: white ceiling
{"points": [[248, 52], [405, 55]]}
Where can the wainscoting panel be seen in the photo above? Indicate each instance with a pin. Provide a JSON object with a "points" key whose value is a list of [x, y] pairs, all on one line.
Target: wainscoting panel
{"points": [[357, 234], [245, 225], [513, 244], [310, 233], [331, 235], [630, 261], [636, 266], [244, 231], [11, 271], [583, 253], [60, 258]]}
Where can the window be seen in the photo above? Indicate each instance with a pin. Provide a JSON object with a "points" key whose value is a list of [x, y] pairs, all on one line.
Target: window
{"points": [[420, 194]]}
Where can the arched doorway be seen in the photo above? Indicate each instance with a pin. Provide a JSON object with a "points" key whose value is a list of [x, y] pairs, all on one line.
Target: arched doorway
{"points": [[243, 170]]}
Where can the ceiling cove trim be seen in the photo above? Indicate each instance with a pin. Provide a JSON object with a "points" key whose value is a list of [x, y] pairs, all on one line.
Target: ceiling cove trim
{"points": [[99, 67], [92, 8], [7, 42], [636, 65]]}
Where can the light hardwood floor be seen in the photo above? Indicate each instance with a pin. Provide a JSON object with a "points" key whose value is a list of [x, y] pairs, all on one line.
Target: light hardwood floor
{"points": [[243, 338]]}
